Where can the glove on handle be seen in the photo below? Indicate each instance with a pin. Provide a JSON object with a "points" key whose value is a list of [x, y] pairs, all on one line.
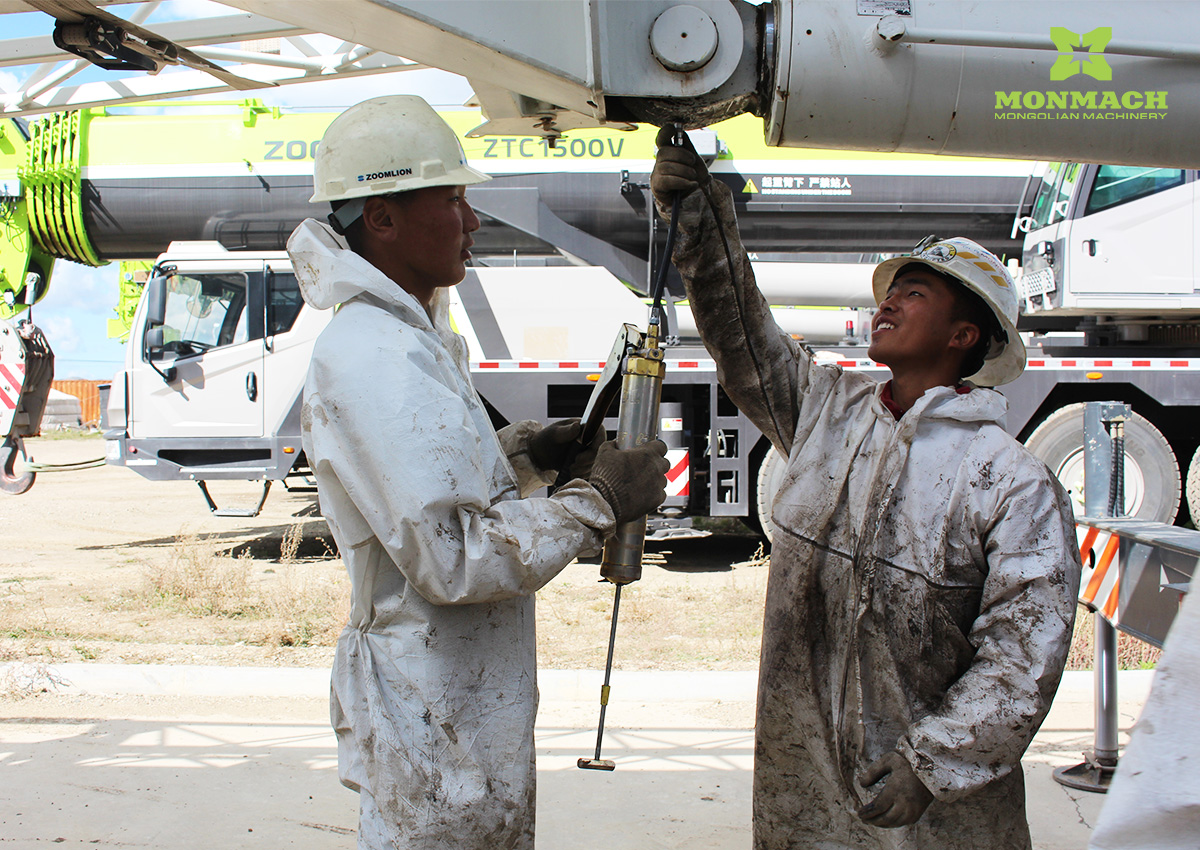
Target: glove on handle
{"points": [[677, 169], [632, 481], [551, 447]]}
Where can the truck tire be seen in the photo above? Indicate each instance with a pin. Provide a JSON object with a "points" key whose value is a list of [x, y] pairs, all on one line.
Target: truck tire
{"points": [[1152, 483], [1193, 486], [770, 476]]}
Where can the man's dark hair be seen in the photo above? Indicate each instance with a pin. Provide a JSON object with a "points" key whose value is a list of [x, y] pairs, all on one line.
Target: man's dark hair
{"points": [[353, 232], [970, 307]]}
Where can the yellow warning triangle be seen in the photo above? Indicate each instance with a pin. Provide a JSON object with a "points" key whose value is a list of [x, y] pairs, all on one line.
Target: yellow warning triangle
{"points": [[750, 187]]}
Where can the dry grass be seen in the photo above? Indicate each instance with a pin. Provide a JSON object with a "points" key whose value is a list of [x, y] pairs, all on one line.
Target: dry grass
{"points": [[198, 581], [668, 621], [1132, 654], [196, 599], [28, 679], [295, 603]]}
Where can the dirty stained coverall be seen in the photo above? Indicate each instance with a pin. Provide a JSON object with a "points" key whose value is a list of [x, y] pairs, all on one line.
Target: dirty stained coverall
{"points": [[433, 691], [1154, 801], [923, 580]]}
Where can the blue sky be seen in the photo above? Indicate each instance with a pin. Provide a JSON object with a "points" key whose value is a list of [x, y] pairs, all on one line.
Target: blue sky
{"points": [[75, 313]]}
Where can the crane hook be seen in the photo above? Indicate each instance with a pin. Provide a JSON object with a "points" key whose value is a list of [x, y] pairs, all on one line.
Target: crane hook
{"points": [[10, 482]]}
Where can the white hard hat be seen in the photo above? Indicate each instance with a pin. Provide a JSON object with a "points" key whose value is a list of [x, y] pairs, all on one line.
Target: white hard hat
{"points": [[386, 145], [981, 272]]}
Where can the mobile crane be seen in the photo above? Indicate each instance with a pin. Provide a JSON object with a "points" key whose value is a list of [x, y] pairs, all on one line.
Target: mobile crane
{"points": [[901, 75], [565, 229]]}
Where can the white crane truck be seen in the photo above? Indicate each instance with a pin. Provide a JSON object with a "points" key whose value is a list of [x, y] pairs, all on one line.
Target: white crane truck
{"points": [[881, 75]]}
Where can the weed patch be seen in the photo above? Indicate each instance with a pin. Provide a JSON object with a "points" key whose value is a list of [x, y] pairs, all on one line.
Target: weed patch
{"points": [[199, 581], [1132, 654], [292, 604]]}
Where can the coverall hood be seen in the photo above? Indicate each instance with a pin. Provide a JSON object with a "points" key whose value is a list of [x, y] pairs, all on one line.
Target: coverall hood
{"points": [[329, 273]]}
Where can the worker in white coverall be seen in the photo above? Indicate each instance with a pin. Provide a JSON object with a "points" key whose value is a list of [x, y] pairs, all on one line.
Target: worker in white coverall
{"points": [[433, 692], [924, 574], [1154, 801]]}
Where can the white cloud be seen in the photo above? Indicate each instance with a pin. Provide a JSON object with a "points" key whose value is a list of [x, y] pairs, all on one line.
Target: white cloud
{"points": [[178, 10], [82, 288], [74, 316], [60, 331], [440, 88]]}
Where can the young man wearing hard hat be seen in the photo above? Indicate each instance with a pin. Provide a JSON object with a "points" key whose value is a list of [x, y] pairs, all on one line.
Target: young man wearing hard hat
{"points": [[433, 689], [924, 572]]}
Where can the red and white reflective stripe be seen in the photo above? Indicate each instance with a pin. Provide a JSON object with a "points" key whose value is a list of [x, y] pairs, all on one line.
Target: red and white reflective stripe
{"points": [[539, 365], [859, 364], [1156, 364], [1100, 584], [677, 477], [10, 385], [579, 365]]}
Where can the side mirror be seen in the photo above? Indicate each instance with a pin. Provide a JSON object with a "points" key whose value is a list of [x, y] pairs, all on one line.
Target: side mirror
{"points": [[154, 341], [152, 349], [156, 302]]}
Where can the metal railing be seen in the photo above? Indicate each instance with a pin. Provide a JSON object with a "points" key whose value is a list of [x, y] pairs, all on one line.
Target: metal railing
{"points": [[1136, 584]]}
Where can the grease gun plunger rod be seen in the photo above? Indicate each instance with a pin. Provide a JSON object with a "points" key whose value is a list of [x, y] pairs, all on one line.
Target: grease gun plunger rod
{"points": [[637, 423], [597, 763]]}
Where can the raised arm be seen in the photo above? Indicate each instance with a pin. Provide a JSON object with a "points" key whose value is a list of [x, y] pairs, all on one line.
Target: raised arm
{"points": [[764, 371]]}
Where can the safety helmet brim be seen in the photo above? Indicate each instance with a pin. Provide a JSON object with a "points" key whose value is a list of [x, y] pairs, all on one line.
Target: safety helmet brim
{"points": [[385, 145], [1000, 366]]}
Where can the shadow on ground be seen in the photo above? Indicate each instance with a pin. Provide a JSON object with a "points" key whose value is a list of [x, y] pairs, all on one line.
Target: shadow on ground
{"points": [[715, 554]]}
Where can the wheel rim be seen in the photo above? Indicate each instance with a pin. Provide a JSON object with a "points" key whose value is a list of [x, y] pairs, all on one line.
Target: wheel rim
{"points": [[1070, 473]]}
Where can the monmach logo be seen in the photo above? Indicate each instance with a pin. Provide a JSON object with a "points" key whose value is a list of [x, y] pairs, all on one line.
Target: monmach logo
{"points": [[1070, 63], [1081, 55]]}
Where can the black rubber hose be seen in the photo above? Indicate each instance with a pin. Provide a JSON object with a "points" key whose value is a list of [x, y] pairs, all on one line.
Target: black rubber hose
{"points": [[660, 281]]}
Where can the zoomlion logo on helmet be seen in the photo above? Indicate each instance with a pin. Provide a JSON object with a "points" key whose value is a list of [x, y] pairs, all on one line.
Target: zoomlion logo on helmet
{"points": [[383, 175], [943, 252]]}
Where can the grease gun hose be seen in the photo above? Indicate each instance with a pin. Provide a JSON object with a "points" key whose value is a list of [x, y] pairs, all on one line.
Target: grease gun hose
{"points": [[660, 281]]}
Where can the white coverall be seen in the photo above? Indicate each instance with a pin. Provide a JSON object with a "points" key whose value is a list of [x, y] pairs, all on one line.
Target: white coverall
{"points": [[433, 692], [922, 589], [1154, 801]]}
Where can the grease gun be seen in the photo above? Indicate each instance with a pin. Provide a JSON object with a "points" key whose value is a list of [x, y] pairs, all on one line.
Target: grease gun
{"points": [[642, 376]]}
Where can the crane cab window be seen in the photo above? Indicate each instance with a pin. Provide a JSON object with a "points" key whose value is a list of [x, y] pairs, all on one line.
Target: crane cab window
{"points": [[1053, 199], [1119, 184], [205, 311], [283, 302]]}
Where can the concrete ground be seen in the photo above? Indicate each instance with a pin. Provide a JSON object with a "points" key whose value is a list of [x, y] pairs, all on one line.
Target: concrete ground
{"points": [[176, 758]]}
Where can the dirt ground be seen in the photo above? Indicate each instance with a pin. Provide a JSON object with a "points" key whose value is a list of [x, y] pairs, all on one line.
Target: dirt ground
{"points": [[102, 565]]}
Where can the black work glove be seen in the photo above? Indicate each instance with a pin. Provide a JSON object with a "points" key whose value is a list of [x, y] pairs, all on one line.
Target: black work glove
{"points": [[903, 799], [557, 445], [632, 481], [676, 169]]}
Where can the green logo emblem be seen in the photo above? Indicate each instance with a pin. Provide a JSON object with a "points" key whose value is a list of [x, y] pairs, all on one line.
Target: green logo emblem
{"points": [[1067, 42]]}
